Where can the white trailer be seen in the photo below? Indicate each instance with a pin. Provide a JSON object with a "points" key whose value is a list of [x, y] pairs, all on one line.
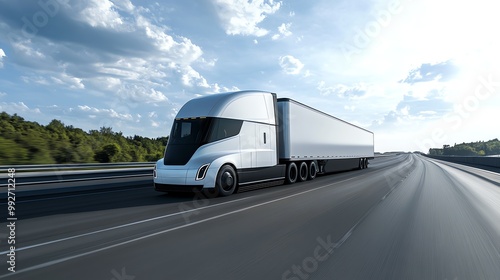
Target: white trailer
{"points": [[223, 141], [319, 142]]}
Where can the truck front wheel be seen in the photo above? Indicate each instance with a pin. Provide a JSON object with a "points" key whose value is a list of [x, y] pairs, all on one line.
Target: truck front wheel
{"points": [[227, 181]]}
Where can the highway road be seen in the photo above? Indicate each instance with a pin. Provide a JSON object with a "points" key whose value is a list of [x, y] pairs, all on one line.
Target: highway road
{"points": [[405, 217]]}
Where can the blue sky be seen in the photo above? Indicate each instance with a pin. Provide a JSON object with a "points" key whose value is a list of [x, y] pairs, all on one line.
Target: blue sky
{"points": [[418, 74]]}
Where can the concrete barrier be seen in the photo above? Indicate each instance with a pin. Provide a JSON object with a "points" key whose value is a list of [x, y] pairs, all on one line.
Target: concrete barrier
{"points": [[478, 161]]}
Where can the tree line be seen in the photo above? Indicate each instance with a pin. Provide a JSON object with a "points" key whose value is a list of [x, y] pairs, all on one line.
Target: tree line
{"points": [[480, 148], [26, 142]]}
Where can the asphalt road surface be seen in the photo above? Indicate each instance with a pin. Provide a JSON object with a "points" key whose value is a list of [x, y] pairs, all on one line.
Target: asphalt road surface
{"points": [[405, 217]]}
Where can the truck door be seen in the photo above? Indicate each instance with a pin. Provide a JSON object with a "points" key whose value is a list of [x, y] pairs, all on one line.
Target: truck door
{"points": [[266, 155]]}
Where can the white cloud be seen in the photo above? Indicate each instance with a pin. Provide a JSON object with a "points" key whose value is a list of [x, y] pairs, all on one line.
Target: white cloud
{"points": [[428, 112], [191, 77], [182, 52], [405, 111], [284, 31], [208, 63], [349, 108], [155, 124], [35, 79], [241, 17], [68, 81], [58, 79], [18, 108], [110, 113], [290, 64], [142, 94], [126, 68], [107, 83], [2, 55], [26, 47], [218, 88], [125, 5], [342, 90], [101, 13]]}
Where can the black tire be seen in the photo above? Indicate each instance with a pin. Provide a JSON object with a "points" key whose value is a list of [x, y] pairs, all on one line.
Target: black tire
{"points": [[360, 166], [291, 173], [303, 172], [226, 182], [366, 163], [312, 170]]}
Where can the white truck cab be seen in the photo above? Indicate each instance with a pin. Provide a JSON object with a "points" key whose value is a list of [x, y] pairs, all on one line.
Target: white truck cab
{"points": [[215, 137]]}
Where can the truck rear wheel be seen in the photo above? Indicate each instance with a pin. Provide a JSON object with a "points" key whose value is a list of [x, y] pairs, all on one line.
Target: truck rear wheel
{"points": [[227, 181], [303, 171], [291, 173], [312, 170]]}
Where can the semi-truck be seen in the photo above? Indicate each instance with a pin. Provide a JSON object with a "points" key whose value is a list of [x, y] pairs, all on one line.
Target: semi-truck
{"points": [[224, 141]]}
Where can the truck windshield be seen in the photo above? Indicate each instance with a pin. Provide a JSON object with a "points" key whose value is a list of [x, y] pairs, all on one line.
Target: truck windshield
{"points": [[188, 135]]}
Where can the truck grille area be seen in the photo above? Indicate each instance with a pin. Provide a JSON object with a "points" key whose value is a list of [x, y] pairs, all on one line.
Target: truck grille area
{"points": [[179, 154]]}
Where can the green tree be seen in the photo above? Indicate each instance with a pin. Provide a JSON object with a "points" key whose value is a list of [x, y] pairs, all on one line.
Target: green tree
{"points": [[12, 153], [435, 151], [24, 142], [107, 153]]}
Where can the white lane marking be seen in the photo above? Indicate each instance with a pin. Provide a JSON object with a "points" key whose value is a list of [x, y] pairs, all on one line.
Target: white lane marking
{"points": [[122, 226], [50, 263]]}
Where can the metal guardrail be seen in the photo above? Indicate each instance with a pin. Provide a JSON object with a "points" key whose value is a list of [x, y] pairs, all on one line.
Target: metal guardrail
{"points": [[51, 174], [74, 166]]}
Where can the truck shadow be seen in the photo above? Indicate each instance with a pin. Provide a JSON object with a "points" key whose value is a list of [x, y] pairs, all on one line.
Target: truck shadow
{"points": [[81, 202]]}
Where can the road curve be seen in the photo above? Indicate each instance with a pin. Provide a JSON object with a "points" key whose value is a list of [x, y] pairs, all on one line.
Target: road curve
{"points": [[405, 217]]}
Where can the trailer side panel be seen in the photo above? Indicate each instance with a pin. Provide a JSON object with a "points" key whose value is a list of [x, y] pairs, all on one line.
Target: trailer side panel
{"points": [[308, 134]]}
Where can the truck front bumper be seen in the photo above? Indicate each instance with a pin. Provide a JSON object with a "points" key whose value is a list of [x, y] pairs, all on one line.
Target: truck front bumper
{"points": [[182, 178]]}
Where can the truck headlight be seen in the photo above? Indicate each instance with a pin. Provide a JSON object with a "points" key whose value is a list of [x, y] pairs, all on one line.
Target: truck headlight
{"points": [[202, 171]]}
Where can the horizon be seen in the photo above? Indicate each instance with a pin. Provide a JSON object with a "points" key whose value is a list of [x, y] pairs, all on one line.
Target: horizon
{"points": [[418, 78]]}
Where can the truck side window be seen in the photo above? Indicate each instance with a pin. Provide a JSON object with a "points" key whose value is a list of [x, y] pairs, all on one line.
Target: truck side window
{"points": [[224, 128]]}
